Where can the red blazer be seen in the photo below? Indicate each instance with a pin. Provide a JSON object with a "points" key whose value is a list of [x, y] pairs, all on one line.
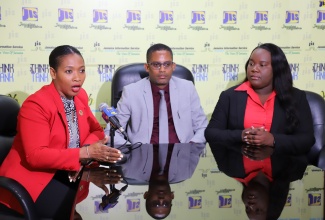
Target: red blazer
{"points": [[40, 146]]}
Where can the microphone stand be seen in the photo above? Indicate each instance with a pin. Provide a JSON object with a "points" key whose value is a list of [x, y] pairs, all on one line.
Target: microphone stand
{"points": [[112, 134]]}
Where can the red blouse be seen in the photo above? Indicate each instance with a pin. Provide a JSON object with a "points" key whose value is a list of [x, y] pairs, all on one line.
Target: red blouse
{"points": [[257, 115]]}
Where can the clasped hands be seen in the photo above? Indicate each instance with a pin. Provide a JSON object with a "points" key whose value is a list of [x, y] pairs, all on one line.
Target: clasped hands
{"points": [[258, 143], [99, 151]]}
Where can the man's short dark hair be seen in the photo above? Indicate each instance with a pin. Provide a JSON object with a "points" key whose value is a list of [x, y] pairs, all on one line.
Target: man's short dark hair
{"points": [[158, 47]]}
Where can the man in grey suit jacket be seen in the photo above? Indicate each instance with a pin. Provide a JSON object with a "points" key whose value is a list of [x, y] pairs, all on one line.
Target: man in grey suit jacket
{"points": [[138, 106]]}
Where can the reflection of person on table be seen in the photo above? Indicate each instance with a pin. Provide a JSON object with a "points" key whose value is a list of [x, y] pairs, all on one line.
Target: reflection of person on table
{"points": [[138, 106], [145, 166], [264, 190], [159, 195], [265, 115], [56, 133], [99, 176]]}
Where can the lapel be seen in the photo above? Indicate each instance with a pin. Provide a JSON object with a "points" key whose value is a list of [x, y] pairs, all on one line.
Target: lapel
{"points": [[241, 101], [147, 95], [82, 118], [174, 97], [51, 90], [278, 116]]}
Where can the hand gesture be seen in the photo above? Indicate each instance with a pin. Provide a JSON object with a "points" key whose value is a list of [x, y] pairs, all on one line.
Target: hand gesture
{"points": [[257, 136], [100, 152], [100, 176]]}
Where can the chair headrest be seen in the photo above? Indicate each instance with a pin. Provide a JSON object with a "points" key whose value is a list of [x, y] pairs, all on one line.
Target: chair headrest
{"points": [[133, 72], [9, 109]]}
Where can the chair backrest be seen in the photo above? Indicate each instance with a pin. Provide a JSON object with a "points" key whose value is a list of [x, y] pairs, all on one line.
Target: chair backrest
{"points": [[131, 73], [317, 107], [9, 109]]}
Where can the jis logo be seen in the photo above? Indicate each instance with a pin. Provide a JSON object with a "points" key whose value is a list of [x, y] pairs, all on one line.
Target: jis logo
{"points": [[320, 17], [314, 199], [225, 201], [261, 17], [7, 72], [292, 17], [195, 202], [166, 17], [229, 17], [100, 16], [198, 17], [65, 15], [30, 14], [133, 205], [133, 16]]}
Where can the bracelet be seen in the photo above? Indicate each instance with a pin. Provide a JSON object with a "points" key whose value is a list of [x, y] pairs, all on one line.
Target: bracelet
{"points": [[88, 174], [86, 145], [87, 151]]}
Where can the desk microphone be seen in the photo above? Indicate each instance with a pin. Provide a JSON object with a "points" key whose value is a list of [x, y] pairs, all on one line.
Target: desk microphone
{"points": [[109, 201], [111, 112]]}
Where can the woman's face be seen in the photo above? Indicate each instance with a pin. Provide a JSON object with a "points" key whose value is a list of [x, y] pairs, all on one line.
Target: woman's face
{"points": [[69, 76], [259, 70], [256, 200]]}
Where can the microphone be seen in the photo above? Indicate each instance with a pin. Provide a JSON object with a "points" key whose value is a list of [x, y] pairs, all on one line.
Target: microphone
{"points": [[111, 112], [109, 201]]}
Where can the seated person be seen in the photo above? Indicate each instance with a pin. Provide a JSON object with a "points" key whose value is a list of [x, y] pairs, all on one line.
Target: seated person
{"points": [[57, 134], [138, 108], [265, 110]]}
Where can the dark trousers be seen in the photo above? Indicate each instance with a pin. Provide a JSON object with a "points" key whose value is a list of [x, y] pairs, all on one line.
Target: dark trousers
{"points": [[57, 199]]}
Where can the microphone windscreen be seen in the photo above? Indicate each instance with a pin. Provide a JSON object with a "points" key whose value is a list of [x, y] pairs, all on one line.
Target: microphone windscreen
{"points": [[102, 106]]}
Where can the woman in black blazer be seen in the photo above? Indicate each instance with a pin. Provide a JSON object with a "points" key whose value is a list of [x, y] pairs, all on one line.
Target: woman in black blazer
{"points": [[291, 130], [266, 118]]}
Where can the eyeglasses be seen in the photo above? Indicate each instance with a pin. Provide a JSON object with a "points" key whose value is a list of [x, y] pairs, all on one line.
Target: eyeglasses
{"points": [[157, 65]]}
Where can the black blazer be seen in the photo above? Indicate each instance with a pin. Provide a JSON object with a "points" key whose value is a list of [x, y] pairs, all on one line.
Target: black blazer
{"points": [[227, 123]]}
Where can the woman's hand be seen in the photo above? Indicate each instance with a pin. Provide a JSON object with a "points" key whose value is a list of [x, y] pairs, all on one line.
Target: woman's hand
{"points": [[257, 136], [257, 152], [100, 152], [101, 176]]}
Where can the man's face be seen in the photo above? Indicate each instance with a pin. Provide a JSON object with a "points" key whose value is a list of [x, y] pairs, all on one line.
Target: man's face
{"points": [[159, 197], [160, 68]]}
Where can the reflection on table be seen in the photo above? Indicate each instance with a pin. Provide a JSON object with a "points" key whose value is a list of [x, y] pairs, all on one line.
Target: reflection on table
{"points": [[188, 184]]}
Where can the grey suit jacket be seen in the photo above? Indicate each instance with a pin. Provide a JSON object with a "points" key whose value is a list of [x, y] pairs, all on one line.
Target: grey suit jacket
{"points": [[135, 110]]}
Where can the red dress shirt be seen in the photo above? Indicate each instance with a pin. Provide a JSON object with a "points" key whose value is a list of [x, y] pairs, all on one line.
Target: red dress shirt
{"points": [[155, 129], [257, 115]]}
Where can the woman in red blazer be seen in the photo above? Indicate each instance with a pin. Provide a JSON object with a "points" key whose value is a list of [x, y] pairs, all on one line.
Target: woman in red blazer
{"points": [[56, 134]]}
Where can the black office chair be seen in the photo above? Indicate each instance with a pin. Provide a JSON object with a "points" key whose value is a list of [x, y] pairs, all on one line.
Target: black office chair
{"points": [[131, 73], [9, 109], [316, 156]]}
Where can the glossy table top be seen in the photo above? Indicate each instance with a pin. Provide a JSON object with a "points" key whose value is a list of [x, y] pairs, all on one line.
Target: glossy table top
{"points": [[193, 188]]}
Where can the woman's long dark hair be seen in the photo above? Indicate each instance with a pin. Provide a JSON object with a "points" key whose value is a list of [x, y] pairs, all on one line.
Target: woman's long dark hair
{"points": [[282, 83]]}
